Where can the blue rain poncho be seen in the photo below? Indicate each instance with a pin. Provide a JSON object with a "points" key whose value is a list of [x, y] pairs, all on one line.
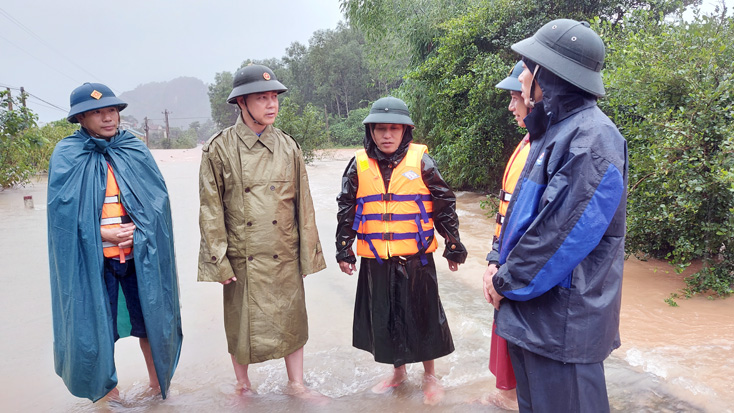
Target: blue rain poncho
{"points": [[83, 336]]}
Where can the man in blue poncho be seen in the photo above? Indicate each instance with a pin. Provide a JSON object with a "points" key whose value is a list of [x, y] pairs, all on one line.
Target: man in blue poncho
{"points": [[111, 256]]}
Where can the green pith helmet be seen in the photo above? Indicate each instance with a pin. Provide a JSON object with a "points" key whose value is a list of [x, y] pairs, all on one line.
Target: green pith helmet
{"points": [[511, 82], [91, 96], [389, 110], [254, 79], [569, 49]]}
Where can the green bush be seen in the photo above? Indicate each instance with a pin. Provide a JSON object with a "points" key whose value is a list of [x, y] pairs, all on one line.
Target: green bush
{"points": [[670, 90], [350, 131]]}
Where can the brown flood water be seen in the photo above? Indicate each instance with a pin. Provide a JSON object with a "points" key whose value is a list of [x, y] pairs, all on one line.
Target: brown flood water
{"points": [[671, 360]]}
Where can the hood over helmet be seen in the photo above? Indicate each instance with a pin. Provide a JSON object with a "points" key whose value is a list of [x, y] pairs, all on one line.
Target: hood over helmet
{"points": [[92, 96]]}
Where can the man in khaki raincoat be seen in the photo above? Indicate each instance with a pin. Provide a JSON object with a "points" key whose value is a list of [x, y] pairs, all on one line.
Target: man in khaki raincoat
{"points": [[258, 231]]}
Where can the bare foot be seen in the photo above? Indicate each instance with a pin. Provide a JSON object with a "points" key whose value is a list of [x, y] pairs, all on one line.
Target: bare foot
{"points": [[243, 388], [398, 378], [432, 390], [504, 399], [112, 397], [302, 392]]}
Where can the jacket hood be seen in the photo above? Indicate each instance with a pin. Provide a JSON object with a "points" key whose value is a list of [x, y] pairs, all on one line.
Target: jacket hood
{"points": [[561, 99], [373, 152]]}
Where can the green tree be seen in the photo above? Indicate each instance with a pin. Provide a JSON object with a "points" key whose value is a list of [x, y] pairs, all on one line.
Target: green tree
{"points": [[339, 70], [349, 131], [223, 113], [306, 125], [671, 92], [15, 144]]}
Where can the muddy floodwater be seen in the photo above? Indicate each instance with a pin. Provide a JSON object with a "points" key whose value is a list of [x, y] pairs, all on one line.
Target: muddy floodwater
{"points": [[672, 359]]}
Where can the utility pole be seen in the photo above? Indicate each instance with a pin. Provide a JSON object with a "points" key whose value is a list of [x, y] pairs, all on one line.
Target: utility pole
{"points": [[145, 128], [10, 101], [168, 130], [22, 96]]}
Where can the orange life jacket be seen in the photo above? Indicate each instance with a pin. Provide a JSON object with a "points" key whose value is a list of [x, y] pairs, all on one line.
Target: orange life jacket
{"points": [[397, 222], [113, 214], [512, 173]]}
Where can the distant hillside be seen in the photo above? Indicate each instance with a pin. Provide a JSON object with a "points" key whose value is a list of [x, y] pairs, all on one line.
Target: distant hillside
{"points": [[185, 98]]}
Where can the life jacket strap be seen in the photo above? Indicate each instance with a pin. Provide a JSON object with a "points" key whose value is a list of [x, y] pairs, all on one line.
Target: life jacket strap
{"points": [[505, 196]]}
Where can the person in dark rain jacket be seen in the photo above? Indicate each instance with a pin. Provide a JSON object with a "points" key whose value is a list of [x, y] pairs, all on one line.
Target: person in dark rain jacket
{"points": [[560, 256], [393, 200]]}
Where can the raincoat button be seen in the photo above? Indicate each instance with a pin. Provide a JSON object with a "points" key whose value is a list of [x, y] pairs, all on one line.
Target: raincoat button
{"points": [[249, 224], [214, 258], [272, 187], [275, 256], [453, 246], [247, 189], [250, 258], [275, 221]]}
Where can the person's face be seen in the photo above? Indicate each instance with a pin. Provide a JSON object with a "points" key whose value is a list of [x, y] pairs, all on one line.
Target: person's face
{"points": [[101, 123], [518, 108], [526, 80], [263, 106], [387, 136]]}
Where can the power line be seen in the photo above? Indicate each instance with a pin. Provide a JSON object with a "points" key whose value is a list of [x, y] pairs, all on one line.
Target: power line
{"points": [[46, 64], [37, 37], [48, 103]]}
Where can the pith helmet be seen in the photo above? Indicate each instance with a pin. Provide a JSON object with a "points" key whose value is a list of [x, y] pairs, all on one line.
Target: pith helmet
{"points": [[254, 79], [91, 96], [569, 49], [511, 82], [389, 110]]}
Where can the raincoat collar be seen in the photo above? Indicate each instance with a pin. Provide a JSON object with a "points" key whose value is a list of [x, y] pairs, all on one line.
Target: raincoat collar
{"points": [[101, 145], [249, 137]]}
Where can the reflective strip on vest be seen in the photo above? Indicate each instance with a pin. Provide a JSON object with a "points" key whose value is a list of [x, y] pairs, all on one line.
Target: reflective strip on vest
{"points": [[399, 221], [113, 214]]}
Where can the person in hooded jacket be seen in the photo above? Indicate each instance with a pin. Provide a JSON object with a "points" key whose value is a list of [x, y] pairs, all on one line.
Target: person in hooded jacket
{"points": [[392, 201], [111, 255], [559, 258], [258, 231]]}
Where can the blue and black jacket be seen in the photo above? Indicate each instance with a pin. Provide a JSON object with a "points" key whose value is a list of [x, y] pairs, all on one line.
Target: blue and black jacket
{"points": [[561, 250]]}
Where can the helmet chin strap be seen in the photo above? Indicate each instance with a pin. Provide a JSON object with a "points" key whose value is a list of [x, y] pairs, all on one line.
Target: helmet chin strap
{"points": [[244, 102], [531, 98]]}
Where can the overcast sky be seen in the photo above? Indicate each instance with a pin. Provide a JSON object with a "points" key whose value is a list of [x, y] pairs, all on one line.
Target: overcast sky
{"points": [[50, 47]]}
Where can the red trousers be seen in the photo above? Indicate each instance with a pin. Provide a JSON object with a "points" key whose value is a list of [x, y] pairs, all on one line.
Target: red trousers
{"points": [[499, 362]]}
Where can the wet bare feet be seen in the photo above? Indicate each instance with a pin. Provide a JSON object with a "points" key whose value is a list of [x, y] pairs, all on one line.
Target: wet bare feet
{"points": [[299, 390], [243, 388], [113, 396], [504, 399], [384, 386], [432, 390]]}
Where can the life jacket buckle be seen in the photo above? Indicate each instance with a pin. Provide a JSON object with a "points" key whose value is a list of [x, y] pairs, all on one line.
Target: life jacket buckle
{"points": [[387, 236], [387, 197], [387, 217]]}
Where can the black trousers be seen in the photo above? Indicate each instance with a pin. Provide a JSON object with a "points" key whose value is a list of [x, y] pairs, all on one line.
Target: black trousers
{"points": [[546, 385]]}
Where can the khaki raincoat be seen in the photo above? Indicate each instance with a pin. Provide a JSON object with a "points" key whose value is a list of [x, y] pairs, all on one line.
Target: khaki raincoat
{"points": [[257, 224]]}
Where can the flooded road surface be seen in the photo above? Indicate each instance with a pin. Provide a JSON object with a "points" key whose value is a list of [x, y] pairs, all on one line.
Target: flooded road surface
{"points": [[671, 360]]}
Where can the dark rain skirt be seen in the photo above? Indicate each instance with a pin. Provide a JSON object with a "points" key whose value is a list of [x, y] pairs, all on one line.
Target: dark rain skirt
{"points": [[398, 315]]}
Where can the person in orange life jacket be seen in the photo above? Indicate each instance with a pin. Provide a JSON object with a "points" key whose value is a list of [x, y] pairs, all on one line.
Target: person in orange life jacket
{"points": [[101, 157], [499, 359], [392, 201], [561, 251]]}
